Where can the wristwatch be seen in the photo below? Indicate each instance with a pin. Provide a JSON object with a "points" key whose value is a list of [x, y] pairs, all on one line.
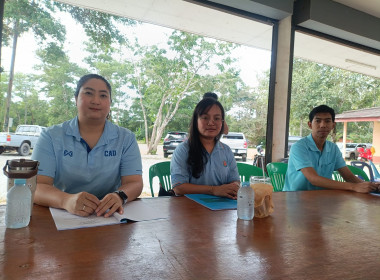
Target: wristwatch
{"points": [[123, 196]]}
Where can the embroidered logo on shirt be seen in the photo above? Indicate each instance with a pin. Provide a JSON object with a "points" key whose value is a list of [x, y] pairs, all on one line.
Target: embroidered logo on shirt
{"points": [[225, 163], [111, 153], [68, 153]]}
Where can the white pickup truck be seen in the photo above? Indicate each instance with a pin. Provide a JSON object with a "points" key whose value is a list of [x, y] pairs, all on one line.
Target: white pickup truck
{"points": [[237, 142], [22, 140]]}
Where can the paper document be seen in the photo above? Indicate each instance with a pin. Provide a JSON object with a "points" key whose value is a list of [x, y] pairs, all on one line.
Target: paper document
{"points": [[134, 211]]}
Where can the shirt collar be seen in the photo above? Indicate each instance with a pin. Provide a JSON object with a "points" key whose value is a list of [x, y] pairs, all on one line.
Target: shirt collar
{"points": [[312, 146], [108, 134]]}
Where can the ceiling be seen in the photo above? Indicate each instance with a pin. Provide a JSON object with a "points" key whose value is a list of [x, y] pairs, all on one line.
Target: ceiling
{"points": [[210, 22]]}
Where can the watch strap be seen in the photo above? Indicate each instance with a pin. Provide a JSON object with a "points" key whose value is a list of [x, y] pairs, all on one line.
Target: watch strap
{"points": [[123, 196]]}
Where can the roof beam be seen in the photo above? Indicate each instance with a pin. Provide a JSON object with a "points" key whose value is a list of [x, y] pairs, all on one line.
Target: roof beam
{"points": [[338, 20]]}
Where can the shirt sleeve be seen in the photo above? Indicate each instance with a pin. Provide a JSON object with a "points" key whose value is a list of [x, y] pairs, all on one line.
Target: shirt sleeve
{"points": [[131, 158], [43, 152], [179, 169], [299, 153], [234, 172]]}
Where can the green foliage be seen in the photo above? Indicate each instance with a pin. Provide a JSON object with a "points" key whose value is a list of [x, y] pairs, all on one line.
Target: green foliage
{"points": [[155, 88], [315, 84], [20, 16], [164, 78], [251, 119], [58, 83], [102, 29]]}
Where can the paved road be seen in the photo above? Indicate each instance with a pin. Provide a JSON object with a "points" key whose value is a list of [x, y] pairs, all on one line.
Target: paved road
{"points": [[147, 161]]}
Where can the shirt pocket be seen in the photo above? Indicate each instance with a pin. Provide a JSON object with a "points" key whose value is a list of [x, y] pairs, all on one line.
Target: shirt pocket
{"points": [[327, 168]]}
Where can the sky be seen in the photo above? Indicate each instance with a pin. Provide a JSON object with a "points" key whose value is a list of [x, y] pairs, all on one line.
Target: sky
{"points": [[251, 61]]}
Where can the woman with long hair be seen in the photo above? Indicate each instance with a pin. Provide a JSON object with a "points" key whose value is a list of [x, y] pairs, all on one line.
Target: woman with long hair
{"points": [[202, 164]]}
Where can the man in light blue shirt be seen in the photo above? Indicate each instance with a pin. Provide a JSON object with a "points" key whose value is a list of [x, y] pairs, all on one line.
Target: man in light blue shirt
{"points": [[312, 159]]}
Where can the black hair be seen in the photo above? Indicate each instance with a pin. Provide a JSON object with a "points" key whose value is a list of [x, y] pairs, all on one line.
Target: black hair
{"points": [[322, 109], [197, 153], [210, 94], [87, 77]]}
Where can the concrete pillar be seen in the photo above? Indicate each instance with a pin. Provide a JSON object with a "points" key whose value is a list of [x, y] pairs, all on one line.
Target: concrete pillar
{"points": [[282, 88], [376, 141], [344, 138]]}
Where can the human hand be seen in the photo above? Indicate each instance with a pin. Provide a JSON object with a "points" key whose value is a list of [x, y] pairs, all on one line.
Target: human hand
{"points": [[227, 190], [111, 202], [81, 204], [366, 187]]}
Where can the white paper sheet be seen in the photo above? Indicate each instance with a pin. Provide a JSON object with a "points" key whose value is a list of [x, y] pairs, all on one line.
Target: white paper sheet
{"points": [[134, 210]]}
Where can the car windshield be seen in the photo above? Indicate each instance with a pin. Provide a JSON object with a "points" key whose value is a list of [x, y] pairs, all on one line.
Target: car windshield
{"points": [[176, 136], [350, 146], [233, 136]]}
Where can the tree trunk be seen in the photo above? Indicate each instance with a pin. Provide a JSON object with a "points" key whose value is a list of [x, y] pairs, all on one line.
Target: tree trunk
{"points": [[11, 75], [145, 121]]}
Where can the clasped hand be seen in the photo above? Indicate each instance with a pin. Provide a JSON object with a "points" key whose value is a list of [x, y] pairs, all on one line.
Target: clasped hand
{"points": [[227, 190], [85, 204], [366, 187]]}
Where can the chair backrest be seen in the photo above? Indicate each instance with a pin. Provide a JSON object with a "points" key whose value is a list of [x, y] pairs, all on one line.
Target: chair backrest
{"points": [[277, 172], [376, 174], [162, 171], [362, 165], [337, 177], [248, 170], [358, 172]]}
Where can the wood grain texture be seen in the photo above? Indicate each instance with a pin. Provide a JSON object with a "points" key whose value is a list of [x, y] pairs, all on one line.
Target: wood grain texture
{"points": [[310, 235]]}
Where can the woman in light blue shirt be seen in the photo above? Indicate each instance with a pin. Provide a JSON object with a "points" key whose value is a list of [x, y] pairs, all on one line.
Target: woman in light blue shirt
{"points": [[202, 164], [87, 164]]}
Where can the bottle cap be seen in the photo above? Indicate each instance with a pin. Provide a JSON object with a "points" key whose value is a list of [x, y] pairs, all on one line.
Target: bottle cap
{"points": [[20, 181], [245, 184]]}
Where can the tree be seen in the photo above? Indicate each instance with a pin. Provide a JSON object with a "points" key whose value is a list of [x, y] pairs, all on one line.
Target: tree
{"points": [[164, 78], [315, 84], [28, 109], [102, 29], [250, 107], [20, 16], [58, 83]]}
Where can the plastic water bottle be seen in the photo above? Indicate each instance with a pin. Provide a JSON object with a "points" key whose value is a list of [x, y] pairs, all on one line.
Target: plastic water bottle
{"points": [[245, 202], [18, 205]]}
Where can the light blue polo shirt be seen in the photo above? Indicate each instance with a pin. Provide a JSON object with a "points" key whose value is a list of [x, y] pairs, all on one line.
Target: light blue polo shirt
{"points": [[304, 153], [64, 157], [220, 168]]}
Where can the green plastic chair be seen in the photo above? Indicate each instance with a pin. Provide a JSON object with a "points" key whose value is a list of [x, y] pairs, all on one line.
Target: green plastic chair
{"points": [[162, 171], [277, 172], [337, 177], [355, 170], [247, 170]]}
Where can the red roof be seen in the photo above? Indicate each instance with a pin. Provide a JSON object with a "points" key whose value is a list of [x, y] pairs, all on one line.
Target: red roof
{"points": [[362, 115]]}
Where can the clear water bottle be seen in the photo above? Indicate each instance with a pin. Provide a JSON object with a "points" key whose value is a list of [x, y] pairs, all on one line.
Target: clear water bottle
{"points": [[18, 209], [245, 202]]}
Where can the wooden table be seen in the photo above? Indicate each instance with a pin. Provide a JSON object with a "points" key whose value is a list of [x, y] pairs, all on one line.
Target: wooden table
{"points": [[311, 235]]}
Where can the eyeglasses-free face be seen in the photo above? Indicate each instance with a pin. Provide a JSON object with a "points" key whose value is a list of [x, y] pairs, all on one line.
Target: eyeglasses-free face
{"points": [[93, 101]]}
